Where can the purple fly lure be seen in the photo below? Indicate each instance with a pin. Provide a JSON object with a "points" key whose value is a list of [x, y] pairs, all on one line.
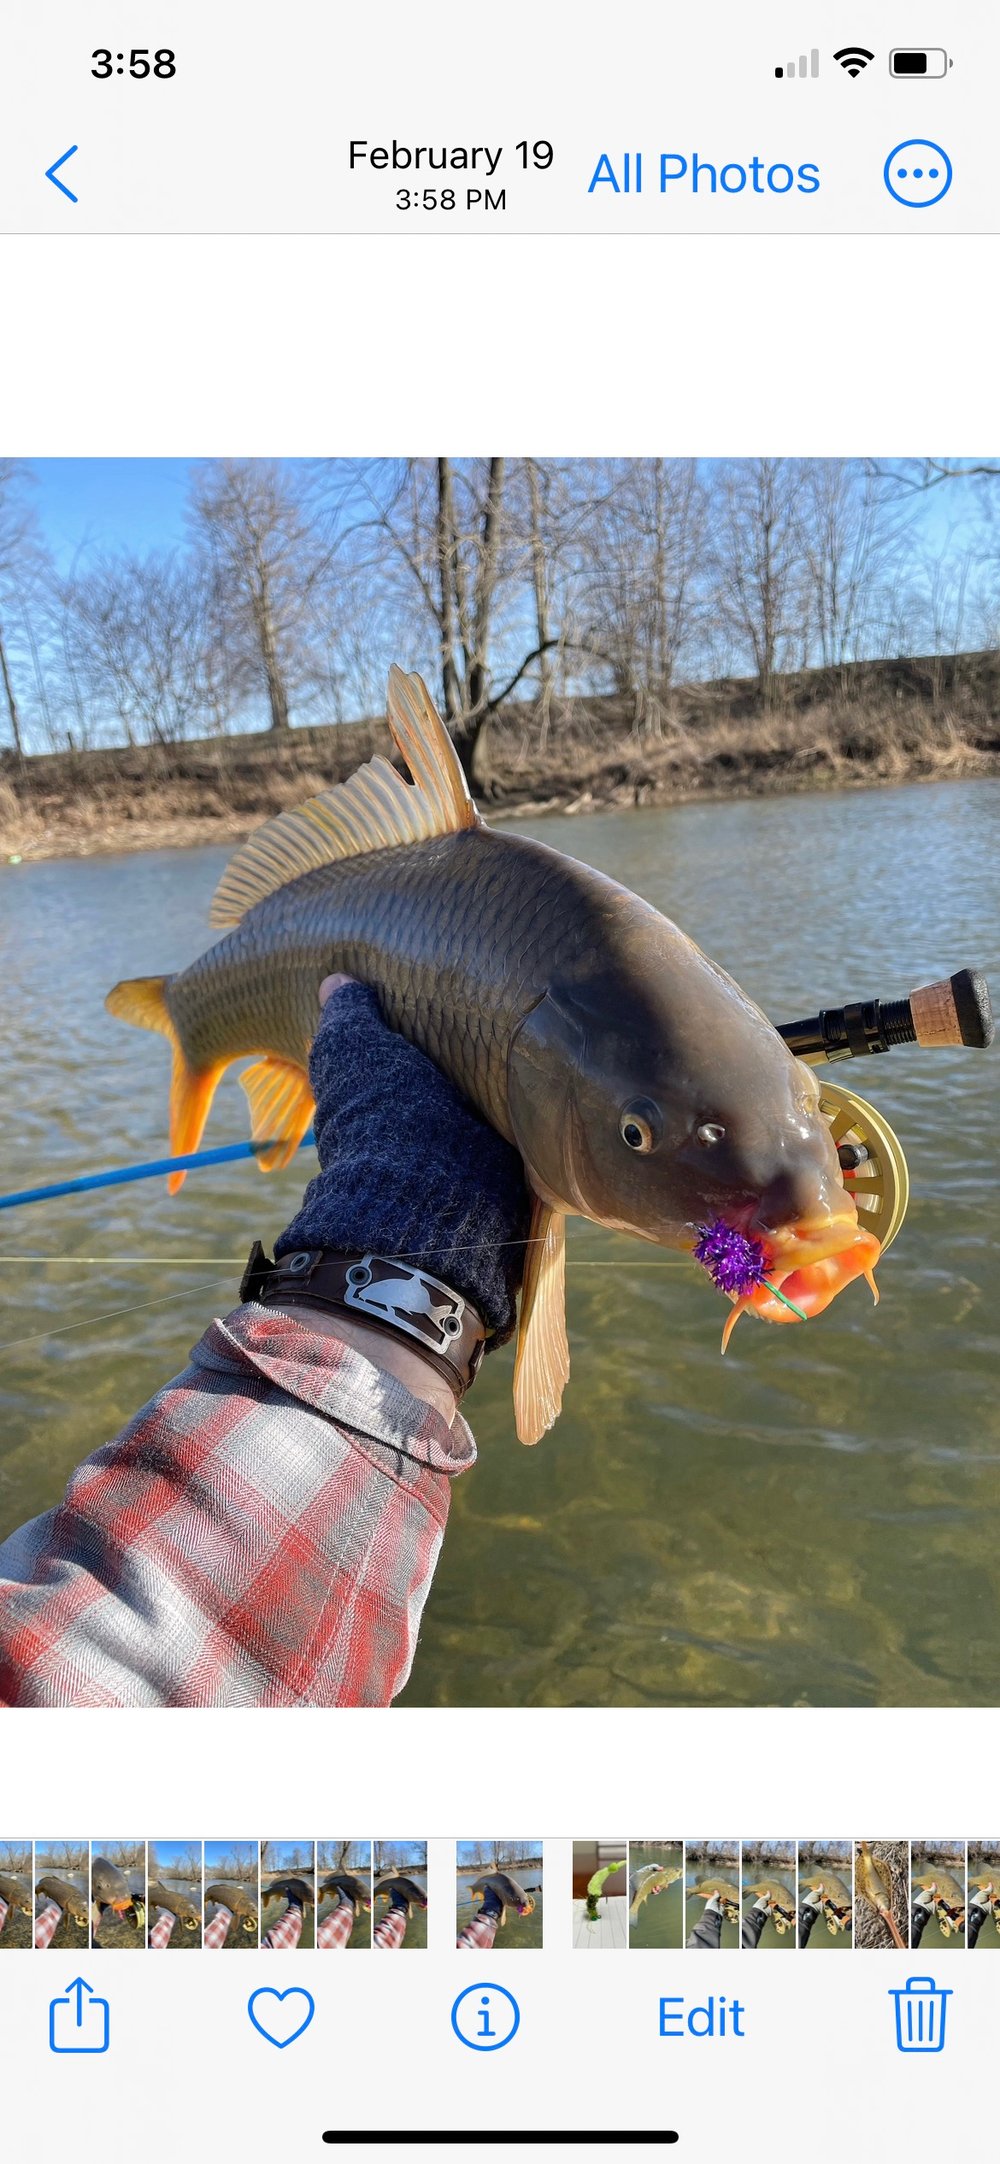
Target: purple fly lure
{"points": [[734, 1261]]}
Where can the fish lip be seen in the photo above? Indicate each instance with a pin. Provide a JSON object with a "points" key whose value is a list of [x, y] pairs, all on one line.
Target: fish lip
{"points": [[795, 1247]]}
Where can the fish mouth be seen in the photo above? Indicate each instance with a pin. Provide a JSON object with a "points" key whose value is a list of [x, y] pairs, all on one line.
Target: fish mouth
{"points": [[806, 1265]]}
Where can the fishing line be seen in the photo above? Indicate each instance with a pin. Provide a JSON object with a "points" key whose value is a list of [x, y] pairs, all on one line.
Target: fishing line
{"points": [[237, 1262], [13, 1344]]}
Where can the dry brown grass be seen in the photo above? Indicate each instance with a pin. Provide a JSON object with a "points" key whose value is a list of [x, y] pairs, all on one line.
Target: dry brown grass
{"points": [[906, 721]]}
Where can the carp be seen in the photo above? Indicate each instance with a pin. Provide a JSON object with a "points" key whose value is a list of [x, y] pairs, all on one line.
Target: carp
{"points": [[727, 1892], [16, 1894], [238, 1899], [66, 1896], [829, 1894], [344, 1884], [110, 1888], [650, 1878], [873, 1881], [947, 1899], [509, 1892], [404, 1890], [782, 1902], [294, 1890], [163, 1897], [641, 1086]]}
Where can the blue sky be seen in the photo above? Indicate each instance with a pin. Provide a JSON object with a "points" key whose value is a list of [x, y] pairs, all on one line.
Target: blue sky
{"points": [[110, 503], [168, 1853], [139, 503]]}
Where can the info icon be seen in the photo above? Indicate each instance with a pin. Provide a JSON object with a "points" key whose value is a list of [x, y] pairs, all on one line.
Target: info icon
{"points": [[486, 2017]]}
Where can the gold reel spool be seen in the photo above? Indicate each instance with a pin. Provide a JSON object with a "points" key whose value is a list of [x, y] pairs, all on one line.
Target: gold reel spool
{"points": [[881, 1184]]}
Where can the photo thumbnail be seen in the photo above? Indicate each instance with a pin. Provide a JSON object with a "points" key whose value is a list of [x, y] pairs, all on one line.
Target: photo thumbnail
{"points": [[937, 1895], [399, 1901], [984, 1895], [600, 1895], [343, 1895], [16, 1900], [174, 1895], [769, 1889], [287, 1894], [232, 1895], [656, 1893], [881, 1894], [712, 1895], [826, 1897], [498, 1897], [118, 1894], [62, 1895]]}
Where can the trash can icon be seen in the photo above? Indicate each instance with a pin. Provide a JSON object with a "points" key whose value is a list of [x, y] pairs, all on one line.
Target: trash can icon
{"points": [[921, 2007]]}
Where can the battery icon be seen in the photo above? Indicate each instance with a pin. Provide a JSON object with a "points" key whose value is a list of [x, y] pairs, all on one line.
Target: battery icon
{"points": [[919, 63]]}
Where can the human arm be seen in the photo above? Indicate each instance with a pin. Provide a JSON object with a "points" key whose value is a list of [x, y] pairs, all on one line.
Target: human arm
{"points": [[265, 1530]]}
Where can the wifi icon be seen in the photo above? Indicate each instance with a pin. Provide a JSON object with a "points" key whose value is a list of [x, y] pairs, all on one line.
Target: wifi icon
{"points": [[853, 58]]}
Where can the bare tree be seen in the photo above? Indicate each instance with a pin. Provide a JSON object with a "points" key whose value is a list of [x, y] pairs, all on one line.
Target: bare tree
{"points": [[441, 537], [852, 536], [139, 644], [758, 560], [271, 569], [24, 579], [643, 536]]}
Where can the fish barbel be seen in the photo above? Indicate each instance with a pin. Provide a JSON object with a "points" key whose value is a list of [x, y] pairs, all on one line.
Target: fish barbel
{"points": [[642, 1087]]}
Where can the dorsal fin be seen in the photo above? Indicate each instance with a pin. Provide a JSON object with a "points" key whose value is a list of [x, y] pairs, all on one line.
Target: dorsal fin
{"points": [[376, 809]]}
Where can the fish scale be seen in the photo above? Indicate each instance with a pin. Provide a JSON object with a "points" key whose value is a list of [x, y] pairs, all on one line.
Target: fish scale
{"points": [[450, 932]]}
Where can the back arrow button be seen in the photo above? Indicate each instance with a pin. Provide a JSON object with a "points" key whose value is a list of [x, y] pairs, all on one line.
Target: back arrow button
{"points": [[52, 170]]}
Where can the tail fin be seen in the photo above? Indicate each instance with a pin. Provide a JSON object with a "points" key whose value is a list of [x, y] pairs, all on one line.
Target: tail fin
{"points": [[142, 1000]]}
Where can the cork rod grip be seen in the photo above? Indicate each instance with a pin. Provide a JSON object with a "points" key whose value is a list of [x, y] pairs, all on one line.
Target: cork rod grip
{"points": [[955, 1011]]}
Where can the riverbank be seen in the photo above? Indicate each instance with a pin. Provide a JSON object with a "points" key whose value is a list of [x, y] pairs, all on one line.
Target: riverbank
{"points": [[916, 718]]}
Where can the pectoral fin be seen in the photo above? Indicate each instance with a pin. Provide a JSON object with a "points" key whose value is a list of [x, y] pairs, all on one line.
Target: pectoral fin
{"points": [[281, 1107], [541, 1366]]}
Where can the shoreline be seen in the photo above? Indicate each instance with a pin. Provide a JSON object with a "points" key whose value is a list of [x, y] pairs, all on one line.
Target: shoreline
{"points": [[131, 835], [865, 727]]}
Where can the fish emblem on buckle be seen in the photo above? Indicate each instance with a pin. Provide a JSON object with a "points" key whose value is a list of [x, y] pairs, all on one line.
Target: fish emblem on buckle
{"points": [[411, 1300]]}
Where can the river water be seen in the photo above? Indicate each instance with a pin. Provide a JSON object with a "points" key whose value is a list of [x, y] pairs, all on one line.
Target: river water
{"points": [[814, 1519]]}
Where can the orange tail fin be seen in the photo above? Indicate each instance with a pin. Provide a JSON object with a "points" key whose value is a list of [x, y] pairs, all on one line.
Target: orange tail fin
{"points": [[141, 1000]]}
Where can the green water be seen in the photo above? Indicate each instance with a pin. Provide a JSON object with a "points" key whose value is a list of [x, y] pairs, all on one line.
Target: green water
{"points": [[814, 1519]]}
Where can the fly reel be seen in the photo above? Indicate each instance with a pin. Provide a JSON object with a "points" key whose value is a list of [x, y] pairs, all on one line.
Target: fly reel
{"points": [[874, 1168]]}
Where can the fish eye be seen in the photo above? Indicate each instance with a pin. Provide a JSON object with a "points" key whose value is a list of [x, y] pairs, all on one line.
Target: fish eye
{"points": [[709, 1132], [640, 1125]]}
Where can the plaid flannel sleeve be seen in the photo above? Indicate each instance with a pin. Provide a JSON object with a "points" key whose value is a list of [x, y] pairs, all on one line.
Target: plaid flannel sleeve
{"points": [[46, 1925], [480, 1933], [264, 1532], [286, 1932], [3, 1912], [335, 1929], [162, 1930], [390, 1932], [216, 1933]]}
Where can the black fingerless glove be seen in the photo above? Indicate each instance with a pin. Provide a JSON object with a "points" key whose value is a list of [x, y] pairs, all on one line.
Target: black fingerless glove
{"points": [[409, 1170]]}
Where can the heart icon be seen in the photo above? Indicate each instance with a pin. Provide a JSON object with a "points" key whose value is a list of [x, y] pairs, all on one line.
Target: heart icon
{"points": [[285, 2017]]}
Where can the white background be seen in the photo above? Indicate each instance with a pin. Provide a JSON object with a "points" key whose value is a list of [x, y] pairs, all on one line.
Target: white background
{"points": [[309, 347]]}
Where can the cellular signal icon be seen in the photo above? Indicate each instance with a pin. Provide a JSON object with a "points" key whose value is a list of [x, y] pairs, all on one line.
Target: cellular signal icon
{"points": [[808, 64], [853, 59]]}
